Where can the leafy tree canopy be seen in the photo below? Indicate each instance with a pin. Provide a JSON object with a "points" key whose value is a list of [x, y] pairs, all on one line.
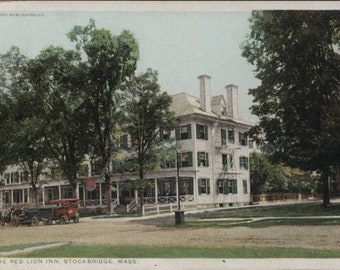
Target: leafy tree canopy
{"points": [[296, 55]]}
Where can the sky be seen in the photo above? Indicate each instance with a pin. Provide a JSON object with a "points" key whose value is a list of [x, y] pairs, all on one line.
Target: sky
{"points": [[181, 43]]}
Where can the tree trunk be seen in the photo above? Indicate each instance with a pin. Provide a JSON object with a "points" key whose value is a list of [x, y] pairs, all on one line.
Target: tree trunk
{"points": [[108, 194], [141, 191], [325, 186]]}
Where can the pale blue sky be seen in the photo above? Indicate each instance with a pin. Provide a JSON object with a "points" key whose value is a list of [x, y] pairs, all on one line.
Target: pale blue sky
{"points": [[179, 45]]}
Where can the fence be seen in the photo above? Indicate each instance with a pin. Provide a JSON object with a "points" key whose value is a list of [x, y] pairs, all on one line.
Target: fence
{"points": [[284, 197]]}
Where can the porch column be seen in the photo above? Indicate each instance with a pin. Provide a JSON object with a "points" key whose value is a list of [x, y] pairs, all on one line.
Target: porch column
{"points": [[156, 191], [23, 195], [100, 194], [59, 189], [28, 195], [1, 198], [84, 194], [12, 196], [118, 202], [136, 196], [43, 195], [77, 191]]}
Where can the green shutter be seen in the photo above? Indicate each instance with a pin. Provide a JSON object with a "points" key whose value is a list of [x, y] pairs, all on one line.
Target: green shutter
{"points": [[161, 187], [208, 186], [178, 133], [189, 131], [207, 159], [191, 186], [190, 159], [223, 137], [199, 185], [197, 131], [225, 186], [234, 186], [198, 159], [206, 132]]}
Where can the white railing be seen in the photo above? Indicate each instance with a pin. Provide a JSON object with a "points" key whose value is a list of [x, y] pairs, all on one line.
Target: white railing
{"points": [[158, 208], [132, 205], [168, 199]]}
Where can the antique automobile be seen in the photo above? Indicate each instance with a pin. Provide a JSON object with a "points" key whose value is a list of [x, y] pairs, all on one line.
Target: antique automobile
{"points": [[6, 216], [64, 211], [24, 217]]}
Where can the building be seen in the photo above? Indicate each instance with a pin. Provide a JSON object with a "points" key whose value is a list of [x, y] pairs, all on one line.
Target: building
{"points": [[213, 159]]}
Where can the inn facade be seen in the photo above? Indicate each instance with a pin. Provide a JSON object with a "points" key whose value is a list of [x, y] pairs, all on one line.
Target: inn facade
{"points": [[212, 154]]}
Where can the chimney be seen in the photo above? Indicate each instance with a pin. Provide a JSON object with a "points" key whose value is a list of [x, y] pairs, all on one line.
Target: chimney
{"points": [[232, 101], [205, 99]]}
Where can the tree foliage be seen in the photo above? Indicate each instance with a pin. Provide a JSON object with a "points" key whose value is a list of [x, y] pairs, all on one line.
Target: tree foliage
{"points": [[107, 62], [146, 116], [296, 55]]}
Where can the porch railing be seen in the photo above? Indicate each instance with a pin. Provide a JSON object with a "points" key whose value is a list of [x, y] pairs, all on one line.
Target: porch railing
{"points": [[131, 206], [168, 199]]}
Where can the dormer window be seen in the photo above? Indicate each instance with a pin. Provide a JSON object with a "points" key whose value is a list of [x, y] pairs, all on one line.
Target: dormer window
{"points": [[224, 111]]}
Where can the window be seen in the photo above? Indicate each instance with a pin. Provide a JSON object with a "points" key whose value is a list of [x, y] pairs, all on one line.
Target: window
{"points": [[15, 177], [184, 132], [123, 142], [245, 187], [221, 186], [186, 186], [223, 137], [165, 134], [167, 187], [242, 139], [7, 177], [225, 162], [226, 186], [203, 186], [232, 186], [244, 163], [202, 132], [186, 159], [224, 111], [231, 136], [202, 159]]}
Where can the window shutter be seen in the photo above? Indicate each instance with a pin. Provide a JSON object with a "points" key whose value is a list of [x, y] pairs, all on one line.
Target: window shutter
{"points": [[189, 131], [207, 159], [197, 131], [234, 186], [161, 188], [198, 159], [199, 186], [178, 133], [223, 137], [190, 159], [191, 186], [206, 132], [208, 186], [225, 186]]}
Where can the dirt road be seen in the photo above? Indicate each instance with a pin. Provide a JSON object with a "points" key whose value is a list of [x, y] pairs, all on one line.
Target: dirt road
{"points": [[141, 231]]}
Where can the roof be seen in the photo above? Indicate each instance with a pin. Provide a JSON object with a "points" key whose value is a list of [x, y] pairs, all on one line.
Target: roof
{"points": [[185, 104]]}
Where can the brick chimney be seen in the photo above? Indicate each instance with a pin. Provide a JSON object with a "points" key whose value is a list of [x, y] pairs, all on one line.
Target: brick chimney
{"points": [[205, 95], [232, 101]]}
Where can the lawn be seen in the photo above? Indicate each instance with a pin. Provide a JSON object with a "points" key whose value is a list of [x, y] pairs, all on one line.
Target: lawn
{"points": [[109, 251], [283, 211]]}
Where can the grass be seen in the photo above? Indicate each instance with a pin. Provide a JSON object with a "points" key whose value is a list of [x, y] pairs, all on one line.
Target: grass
{"points": [[261, 223], [284, 211], [20, 246], [109, 251]]}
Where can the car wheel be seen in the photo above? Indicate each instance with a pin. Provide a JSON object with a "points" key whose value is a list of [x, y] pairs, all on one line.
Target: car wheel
{"points": [[34, 221], [76, 218]]}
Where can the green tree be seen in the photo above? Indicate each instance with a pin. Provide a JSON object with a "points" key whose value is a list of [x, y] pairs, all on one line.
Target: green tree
{"points": [[296, 54], [108, 60], [20, 132], [147, 118], [54, 76]]}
